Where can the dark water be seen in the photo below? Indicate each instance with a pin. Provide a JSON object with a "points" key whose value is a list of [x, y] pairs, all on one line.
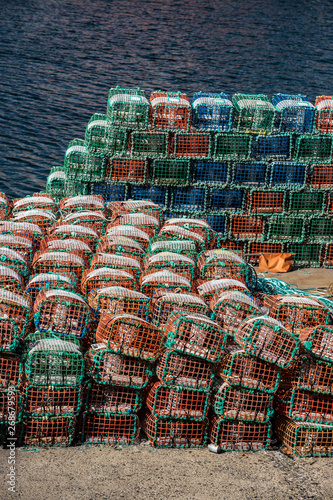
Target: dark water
{"points": [[59, 58]]}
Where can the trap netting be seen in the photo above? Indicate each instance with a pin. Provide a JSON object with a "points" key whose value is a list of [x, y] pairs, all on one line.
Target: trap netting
{"points": [[59, 262], [111, 399], [246, 227], [11, 372], [153, 282], [265, 202], [324, 114], [282, 228], [127, 108], [303, 405], [175, 262], [128, 264], [198, 226], [69, 231], [4, 206], [122, 169], [309, 374], [120, 245], [10, 279], [62, 311], [169, 111], [14, 260], [97, 134], [49, 280], [219, 263], [119, 300], [9, 334], [179, 233], [135, 206], [42, 218], [195, 335], [107, 367], [88, 203], [273, 147], [234, 435], [240, 403], [164, 304], [192, 145], [130, 232], [212, 111], [151, 143], [177, 402], [174, 368], [209, 289], [110, 428], [23, 246], [304, 439], [18, 308], [253, 113], [146, 223], [170, 433], [130, 336], [26, 230], [104, 277], [237, 368], [53, 361], [56, 182], [94, 219], [232, 147], [295, 113], [38, 201], [268, 339], [318, 341], [67, 245], [314, 148], [51, 401], [183, 247], [170, 172], [50, 431]]}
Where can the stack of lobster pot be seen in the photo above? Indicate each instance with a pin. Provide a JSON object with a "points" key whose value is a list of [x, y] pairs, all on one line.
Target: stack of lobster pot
{"points": [[304, 400]]}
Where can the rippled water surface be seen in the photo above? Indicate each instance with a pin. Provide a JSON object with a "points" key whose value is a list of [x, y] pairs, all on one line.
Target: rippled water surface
{"points": [[59, 58]]}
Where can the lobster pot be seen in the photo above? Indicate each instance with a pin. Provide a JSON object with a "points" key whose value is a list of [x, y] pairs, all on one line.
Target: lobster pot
{"points": [[169, 111], [130, 336], [130, 265], [104, 277], [153, 283], [48, 280], [193, 145], [24, 230], [327, 257], [137, 206], [150, 144], [303, 405], [195, 335], [111, 399], [97, 134], [108, 368], [307, 202], [295, 113], [9, 336], [309, 374], [297, 312], [23, 246], [231, 308], [52, 361], [122, 246], [10, 279], [184, 371], [50, 431], [235, 246], [67, 245], [177, 263], [80, 165], [221, 200], [164, 304], [236, 435], [308, 255], [171, 433], [42, 218], [245, 227], [14, 260], [88, 203], [177, 402], [253, 113], [127, 108], [268, 339], [10, 370], [175, 232], [130, 232], [142, 221], [58, 262], [304, 439], [314, 148], [169, 172], [219, 263], [208, 289], [239, 403], [288, 175], [182, 247], [320, 229], [211, 173], [282, 228], [257, 248], [212, 111], [321, 177], [52, 401], [249, 174], [128, 169], [62, 312], [218, 223], [318, 342], [232, 146], [324, 115], [272, 147], [10, 405], [265, 202], [35, 202], [198, 226], [69, 231], [237, 368], [119, 300], [110, 428], [4, 206], [94, 220], [17, 308], [76, 187]]}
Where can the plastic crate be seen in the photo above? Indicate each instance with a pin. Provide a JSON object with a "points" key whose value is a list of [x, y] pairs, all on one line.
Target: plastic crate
{"points": [[190, 200], [150, 143], [97, 134], [221, 200], [266, 202], [110, 192], [212, 111], [307, 202], [128, 264], [119, 300], [272, 147], [255, 249], [156, 194], [253, 113], [164, 304], [61, 401], [314, 148], [50, 431], [184, 371], [303, 405], [127, 108], [127, 169], [309, 374], [308, 255], [170, 172], [169, 111], [282, 228], [295, 113], [210, 173], [318, 342], [304, 439], [232, 146], [235, 435], [324, 115], [244, 227], [192, 144], [288, 175]]}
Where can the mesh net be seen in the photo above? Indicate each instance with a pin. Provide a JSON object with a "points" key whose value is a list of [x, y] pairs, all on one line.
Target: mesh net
{"points": [[265, 202], [324, 115], [10, 370], [104, 277], [120, 245], [183, 247], [255, 249], [52, 431], [234, 435], [66, 231], [54, 245], [48, 280], [130, 232], [17, 308], [97, 134], [136, 206], [175, 262], [219, 263], [152, 283], [307, 202], [142, 221], [9, 337], [37, 201], [318, 341], [169, 111], [212, 111], [207, 289], [309, 374], [127, 169], [198, 226], [10, 279], [42, 218], [169, 172], [23, 246], [24, 230], [84, 203], [93, 219], [127, 108], [314, 149], [295, 113], [110, 399], [246, 227], [253, 113], [193, 145], [128, 264], [210, 173], [14, 260], [10, 405], [58, 262], [286, 229], [232, 146], [149, 143], [100, 428], [303, 405], [61, 401], [179, 233], [119, 300], [164, 304], [288, 175]]}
